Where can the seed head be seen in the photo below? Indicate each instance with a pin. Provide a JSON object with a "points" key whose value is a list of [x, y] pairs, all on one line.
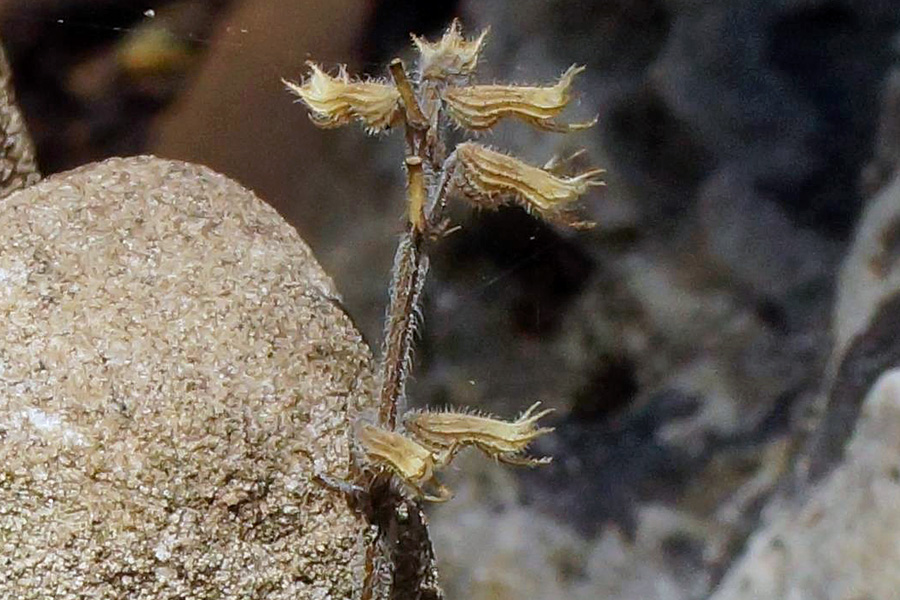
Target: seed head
{"points": [[479, 107], [336, 101], [410, 461], [486, 177], [451, 56], [506, 441]]}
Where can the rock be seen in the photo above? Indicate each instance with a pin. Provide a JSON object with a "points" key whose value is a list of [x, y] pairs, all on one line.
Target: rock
{"points": [[737, 130], [733, 133], [833, 536], [17, 164], [869, 275], [866, 318], [867, 307], [749, 236], [174, 368], [842, 542]]}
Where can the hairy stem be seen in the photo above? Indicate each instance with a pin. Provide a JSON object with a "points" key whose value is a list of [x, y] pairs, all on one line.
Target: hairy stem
{"points": [[410, 261], [408, 278], [18, 168]]}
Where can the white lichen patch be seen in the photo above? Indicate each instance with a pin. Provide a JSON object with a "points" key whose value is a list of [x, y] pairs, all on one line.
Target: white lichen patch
{"points": [[51, 426], [13, 274]]}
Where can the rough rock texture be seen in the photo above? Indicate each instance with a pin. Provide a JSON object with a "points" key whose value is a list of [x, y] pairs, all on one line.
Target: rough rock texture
{"points": [[174, 367], [17, 164]]}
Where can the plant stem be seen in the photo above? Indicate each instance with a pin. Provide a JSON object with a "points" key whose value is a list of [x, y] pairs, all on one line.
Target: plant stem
{"points": [[410, 261], [414, 116], [407, 279]]}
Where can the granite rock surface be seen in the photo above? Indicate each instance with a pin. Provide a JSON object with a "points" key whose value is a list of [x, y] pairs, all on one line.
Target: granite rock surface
{"points": [[174, 367]]}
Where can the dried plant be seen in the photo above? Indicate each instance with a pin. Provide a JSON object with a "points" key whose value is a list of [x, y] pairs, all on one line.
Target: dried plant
{"points": [[440, 94], [448, 432], [411, 461]]}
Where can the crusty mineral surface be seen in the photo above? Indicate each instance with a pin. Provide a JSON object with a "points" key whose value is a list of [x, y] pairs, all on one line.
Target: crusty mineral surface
{"points": [[173, 369], [18, 168]]}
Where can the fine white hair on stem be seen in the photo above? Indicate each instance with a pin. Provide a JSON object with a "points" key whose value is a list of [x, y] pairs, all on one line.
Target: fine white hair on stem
{"points": [[401, 323]]}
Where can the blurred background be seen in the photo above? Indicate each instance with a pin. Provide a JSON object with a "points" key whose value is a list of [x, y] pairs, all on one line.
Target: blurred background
{"points": [[685, 342]]}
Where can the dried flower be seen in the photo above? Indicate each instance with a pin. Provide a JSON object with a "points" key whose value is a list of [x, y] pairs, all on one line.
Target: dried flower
{"points": [[447, 432], [479, 107], [336, 101], [486, 178], [451, 56], [483, 175], [413, 463]]}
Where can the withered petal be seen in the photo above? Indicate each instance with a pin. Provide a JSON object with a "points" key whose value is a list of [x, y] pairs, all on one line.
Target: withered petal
{"points": [[486, 174], [336, 101], [479, 107], [450, 56]]}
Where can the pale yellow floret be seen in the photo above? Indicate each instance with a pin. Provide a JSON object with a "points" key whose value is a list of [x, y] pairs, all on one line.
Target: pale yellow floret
{"points": [[336, 101], [412, 462], [486, 174], [479, 107], [447, 432], [451, 56]]}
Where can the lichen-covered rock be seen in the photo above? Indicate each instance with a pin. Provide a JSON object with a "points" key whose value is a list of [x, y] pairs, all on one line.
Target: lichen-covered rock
{"points": [[174, 368], [18, 168]]}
